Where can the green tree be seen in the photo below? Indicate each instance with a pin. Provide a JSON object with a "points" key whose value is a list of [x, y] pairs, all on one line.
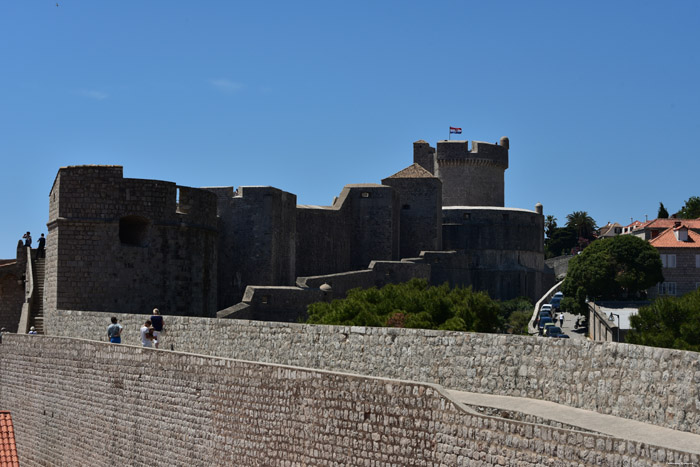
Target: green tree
{"points": [[550, 224], [671, 322], [663, 213], [691, 209], [560, 242], [582, 223], [611, 268], [515, 314], [412, 305]]}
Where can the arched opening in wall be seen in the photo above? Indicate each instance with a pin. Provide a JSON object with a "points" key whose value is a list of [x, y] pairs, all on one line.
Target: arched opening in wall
{"points": [[133, 230]]}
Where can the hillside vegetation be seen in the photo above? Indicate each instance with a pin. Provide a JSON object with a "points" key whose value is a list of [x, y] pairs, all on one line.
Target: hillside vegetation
{"points": [[415, 304]]}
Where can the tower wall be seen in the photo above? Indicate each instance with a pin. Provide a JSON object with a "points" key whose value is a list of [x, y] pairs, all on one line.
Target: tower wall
{"points": [[471, 177], [420, 214], [424, 155], [503, 250], [361, 226], [126, 244], [257, 239]]}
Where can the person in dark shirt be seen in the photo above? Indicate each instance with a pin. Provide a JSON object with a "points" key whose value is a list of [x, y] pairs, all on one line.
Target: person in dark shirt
{"points": [[27, 239], [40, 253], [157, 323]]}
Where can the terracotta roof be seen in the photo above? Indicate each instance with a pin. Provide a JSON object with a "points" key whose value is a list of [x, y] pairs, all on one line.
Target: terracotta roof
{"points": [[667, 239], [8, 449], [413, 171], [636, 225], [666, 223]]}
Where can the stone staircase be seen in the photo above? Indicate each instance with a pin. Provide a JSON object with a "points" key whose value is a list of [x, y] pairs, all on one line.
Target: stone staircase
{"points": [[37, 318]]}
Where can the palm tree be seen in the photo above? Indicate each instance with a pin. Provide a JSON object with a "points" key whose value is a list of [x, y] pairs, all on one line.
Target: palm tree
{"points": [[583, 223], [550, 223]]}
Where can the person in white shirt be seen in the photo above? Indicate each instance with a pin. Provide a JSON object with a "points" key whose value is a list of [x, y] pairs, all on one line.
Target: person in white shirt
{"points": [[147, 334]]}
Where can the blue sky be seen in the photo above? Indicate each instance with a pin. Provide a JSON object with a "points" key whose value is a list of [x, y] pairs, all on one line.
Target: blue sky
{"points": [[600, 99]]}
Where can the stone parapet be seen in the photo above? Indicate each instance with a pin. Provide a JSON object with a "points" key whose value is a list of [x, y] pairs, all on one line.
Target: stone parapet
{"points": [[76, 402], [652, 385]]}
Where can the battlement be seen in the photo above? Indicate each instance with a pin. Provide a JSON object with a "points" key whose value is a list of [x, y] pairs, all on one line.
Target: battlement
{"points": [[480, 153], [100, 192]]}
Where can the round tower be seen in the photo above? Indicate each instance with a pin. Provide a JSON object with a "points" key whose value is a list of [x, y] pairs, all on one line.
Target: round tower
{"points": [[472, 177]]}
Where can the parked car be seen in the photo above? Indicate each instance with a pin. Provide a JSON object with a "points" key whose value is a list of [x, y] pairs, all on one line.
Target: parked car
{"points": [[546, 307], [555, 302], [552, 331], [543, 322], [545, 314]]}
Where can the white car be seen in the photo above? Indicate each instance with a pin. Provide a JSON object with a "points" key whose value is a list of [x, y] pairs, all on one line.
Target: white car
{"points": [[546, 307]]}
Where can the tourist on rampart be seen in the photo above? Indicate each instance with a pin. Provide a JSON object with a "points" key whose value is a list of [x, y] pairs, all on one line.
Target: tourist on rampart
{"points": [[114, 331], [157, 322], [147, 334], [27, 239], [561, 319], [40, 253], [32, 331]]}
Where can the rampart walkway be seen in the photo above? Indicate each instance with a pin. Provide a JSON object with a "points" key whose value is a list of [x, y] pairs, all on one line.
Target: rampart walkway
{"points": [[517, 407]]}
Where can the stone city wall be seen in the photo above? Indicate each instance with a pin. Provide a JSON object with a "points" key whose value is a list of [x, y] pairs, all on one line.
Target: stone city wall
{"points": [[653, 385], [420, 215], [76, 402], [120, 244], [257, 228], [361, 226], [275, 303], [11, 297]]}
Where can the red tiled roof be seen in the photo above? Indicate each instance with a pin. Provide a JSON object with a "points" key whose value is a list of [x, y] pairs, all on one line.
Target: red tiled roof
{"points": [[666, 223], [667, 239], [8, 449]]}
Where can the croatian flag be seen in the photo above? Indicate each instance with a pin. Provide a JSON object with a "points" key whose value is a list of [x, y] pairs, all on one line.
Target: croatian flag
{"points": [[454, 130]]}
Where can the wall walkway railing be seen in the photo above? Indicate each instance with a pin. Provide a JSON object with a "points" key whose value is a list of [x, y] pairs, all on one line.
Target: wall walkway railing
{"points": [[532, 326]]}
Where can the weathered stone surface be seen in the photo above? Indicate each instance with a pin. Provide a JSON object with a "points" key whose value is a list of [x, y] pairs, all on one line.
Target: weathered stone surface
{"points": [[618, 379], [77, 402]]}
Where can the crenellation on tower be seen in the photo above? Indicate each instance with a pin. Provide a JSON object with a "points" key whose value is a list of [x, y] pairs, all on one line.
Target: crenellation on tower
{"points": [[472, 176]]}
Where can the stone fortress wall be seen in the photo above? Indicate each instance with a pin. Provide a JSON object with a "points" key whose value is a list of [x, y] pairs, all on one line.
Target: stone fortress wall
{"points": [[12, 289], [126, 245], [121, 244], [652, 385], [149, 407]]}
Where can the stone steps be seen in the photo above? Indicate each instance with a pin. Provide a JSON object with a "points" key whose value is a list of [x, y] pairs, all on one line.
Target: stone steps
{"points": [[37, 318]]}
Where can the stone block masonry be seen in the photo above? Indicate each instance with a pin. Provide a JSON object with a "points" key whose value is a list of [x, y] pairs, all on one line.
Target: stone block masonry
{"points": [[77, 402], [651, 385], [119, 244]]}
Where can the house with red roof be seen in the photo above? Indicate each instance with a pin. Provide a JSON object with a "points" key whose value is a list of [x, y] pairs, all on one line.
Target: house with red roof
{"points": [[653, 228], [679, 247], [8, 448]]}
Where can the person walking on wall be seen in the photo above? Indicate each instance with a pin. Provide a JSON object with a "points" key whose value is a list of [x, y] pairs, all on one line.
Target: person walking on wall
{"points": [[147, 334], [27, 239], [40, 253], [157, 322], [114, 331], [32, 331]]}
